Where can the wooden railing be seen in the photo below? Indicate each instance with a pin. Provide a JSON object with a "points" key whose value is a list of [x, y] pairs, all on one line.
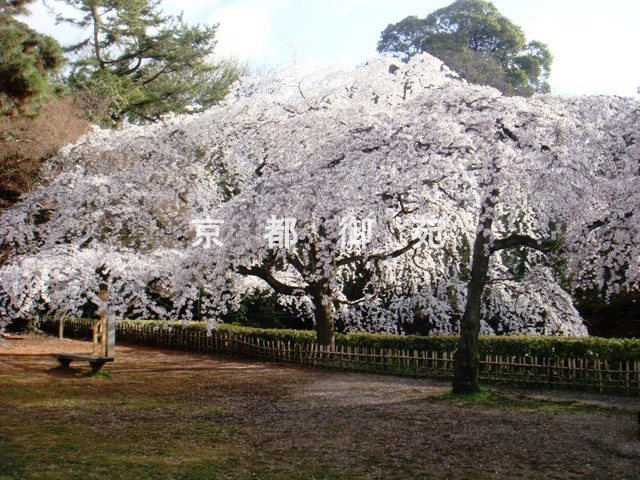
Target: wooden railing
{"points": [[545, 372]]}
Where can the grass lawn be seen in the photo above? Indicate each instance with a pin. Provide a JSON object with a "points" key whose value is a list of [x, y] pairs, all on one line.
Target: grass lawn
{"points": [[171, 415]]}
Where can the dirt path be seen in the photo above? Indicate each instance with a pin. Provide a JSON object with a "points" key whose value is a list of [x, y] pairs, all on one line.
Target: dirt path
{"points": [[165, 414]]}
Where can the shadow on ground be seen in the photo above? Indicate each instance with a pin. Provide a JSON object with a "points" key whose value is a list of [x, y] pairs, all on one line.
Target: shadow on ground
{"points": [[164, 414]]}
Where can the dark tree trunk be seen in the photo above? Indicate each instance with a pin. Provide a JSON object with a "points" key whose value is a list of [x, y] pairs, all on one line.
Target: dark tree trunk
{"points": [[323, 314], [466, 356], [319, 293], [466, 360]]}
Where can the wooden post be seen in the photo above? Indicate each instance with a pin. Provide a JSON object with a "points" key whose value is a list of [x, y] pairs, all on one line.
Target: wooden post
{"points": [[628, 379], [97, 335], [106, 330], [61, 328], [110, 337]]}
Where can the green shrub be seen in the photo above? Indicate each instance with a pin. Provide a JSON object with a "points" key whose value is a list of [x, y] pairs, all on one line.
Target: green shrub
{"points": [[533, 345], [257, 309]]}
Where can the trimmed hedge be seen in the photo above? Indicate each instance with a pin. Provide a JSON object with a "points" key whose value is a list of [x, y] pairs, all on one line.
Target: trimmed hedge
{"points": [[615, 350]]}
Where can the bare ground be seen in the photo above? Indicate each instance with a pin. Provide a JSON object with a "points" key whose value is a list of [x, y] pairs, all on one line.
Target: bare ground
{"points": [[166, 414]]}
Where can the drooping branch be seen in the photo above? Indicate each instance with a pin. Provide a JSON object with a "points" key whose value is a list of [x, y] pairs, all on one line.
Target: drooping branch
{"points": [[266, 275], [351, 302], [404, 210], [295, 261], [129, 71], [513, 241], [162, 71], [601, 223], [137, 54], [379, 256]]}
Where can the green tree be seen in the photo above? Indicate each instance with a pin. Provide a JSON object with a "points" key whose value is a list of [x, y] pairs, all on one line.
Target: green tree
{"points": [[27, 61], [144, 62], [475, 40], [14, 7]]}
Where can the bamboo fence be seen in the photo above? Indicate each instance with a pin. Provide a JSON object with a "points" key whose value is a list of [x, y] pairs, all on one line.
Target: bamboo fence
{"points": [[546, 372]]}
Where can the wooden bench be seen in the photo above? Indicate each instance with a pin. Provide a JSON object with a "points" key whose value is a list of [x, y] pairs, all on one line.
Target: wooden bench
{"points": [[95, 361]]}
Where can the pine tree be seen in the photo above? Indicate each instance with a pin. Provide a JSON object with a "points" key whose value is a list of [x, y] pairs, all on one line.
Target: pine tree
{"points": [[144, 62], [27, 61]]}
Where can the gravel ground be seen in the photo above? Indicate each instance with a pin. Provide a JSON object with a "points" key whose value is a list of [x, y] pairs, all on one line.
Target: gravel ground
{"points": [[298, 422]]}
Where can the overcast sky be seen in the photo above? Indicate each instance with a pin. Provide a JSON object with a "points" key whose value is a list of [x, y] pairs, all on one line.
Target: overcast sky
{"points": [[595, 43]]}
